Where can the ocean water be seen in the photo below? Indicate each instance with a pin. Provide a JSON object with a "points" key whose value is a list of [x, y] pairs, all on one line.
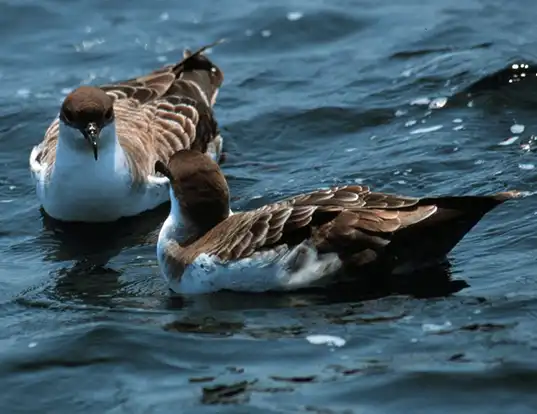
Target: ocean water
{"points": [[413, 97]]}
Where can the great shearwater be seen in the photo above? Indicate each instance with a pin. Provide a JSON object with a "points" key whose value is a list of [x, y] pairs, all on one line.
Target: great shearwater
{"points": [[96, 161], [303, 241]]}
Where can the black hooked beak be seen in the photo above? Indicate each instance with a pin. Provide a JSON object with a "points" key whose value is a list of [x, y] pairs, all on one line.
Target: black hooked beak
{"points": [[91, 133]]}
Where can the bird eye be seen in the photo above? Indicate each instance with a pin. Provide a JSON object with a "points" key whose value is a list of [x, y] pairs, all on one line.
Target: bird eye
{"points": [[67, 116], [109, 114]]}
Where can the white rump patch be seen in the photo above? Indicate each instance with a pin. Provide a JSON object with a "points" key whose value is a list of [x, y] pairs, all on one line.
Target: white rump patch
{"points": [[273, 270]]}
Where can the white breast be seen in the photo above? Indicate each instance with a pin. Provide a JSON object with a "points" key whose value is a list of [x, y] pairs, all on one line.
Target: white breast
{"points": [[80, 188]]}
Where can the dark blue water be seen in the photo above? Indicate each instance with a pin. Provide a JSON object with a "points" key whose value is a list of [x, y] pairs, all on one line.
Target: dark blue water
{"points": [[412, 97]]}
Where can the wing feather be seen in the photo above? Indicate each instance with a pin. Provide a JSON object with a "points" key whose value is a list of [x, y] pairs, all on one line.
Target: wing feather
{"points": [[158, 113], [351, 197]]}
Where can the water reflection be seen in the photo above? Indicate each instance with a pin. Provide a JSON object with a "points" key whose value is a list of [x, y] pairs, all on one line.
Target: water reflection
{"points": [[100, 242]]}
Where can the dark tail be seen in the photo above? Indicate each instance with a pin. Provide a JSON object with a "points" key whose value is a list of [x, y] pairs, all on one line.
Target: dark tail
{"points": [[433, 238], [198, 68], [196, 60], [471, 204]]}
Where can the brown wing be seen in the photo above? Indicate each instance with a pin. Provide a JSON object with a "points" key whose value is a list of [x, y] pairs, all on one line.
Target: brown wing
{"points": [[194, 77], [159, 113], [143, 89], [242, 234], [174, 111], [365, 219], [289, 223], [158, 129], [352, 197]]}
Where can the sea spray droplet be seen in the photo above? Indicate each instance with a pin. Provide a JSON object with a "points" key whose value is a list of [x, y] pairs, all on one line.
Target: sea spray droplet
{"points": [[326, 340]]}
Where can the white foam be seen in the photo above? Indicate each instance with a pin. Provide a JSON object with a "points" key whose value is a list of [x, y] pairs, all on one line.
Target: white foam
{"points": [[426, 129], [420, 101], [517, 129], [89, 44], [509, 141], [294, 16], [326, 340], [436, 328], [438, 103], [23, 93]]}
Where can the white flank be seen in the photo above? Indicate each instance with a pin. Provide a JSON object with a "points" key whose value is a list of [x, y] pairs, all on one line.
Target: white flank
{"points": [[275, 270]]}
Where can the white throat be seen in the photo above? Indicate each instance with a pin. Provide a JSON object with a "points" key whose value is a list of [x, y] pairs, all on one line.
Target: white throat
{"points": [[76, 163], [176, 227]]}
